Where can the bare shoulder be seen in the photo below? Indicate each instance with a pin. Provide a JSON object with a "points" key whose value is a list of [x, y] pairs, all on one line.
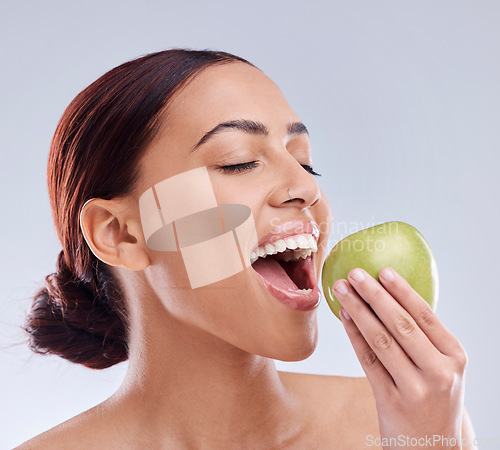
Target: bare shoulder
{"points": [[82, 431], [350, 401], [344, 407], [323, 381], [345, 393]]}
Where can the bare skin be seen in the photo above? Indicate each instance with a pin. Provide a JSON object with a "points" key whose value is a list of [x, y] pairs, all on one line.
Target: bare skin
{"points": [[201, 371]]}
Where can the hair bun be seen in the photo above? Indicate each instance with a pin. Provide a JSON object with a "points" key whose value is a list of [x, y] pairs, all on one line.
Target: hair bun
{"points": [[76, 320]]}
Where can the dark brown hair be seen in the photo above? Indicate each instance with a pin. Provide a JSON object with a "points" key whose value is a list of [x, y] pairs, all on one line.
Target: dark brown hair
{"points": [[80, 314]]}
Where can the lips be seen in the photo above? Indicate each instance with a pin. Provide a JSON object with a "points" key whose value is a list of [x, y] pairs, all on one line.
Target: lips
{"points": [[293, 283]]}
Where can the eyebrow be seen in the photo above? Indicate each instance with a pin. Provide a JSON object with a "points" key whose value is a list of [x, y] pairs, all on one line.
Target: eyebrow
{"points": [[249, 126]]}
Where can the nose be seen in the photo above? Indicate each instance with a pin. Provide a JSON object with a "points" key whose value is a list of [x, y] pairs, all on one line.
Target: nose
{"points": [[294, 186]]}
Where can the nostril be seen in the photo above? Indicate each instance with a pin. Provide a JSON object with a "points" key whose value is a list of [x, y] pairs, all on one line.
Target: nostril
{"points": [[315, 202]]}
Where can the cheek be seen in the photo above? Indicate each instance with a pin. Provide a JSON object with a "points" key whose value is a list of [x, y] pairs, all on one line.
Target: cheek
{"points": [[324, 219], [248, 190], [325, 211], [183, 214]]}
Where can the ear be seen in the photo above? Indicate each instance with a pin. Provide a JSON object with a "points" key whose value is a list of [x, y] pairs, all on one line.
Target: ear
{"points": [[114, 233]]}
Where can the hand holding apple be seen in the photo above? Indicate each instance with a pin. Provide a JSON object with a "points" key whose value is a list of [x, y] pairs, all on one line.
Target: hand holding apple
{"points": [[415, 365]]}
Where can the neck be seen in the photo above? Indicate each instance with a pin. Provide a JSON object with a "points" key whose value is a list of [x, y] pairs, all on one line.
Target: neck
{"points": [[188, 383]]}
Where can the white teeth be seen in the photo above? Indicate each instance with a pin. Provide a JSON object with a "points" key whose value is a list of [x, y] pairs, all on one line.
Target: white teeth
{"points": [[302, 244], [253, 257], [305, 254], [302, 291], [280, 246], [302, 241], [291, 243], [312, 243], [270, 249]]}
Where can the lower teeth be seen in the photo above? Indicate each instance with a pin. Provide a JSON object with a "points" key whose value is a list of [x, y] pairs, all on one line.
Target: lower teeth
{"points": [[302, 291]]}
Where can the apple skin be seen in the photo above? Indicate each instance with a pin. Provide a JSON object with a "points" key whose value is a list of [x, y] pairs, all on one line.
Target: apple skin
{"points": [[393, 244]]}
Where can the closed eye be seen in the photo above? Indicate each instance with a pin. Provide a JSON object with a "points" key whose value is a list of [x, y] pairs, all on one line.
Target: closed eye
{"points": [[239, 167], [253, 164]]}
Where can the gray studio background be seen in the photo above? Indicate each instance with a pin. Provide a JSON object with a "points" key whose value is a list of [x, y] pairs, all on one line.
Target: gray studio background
{"points": [[402, 100]]}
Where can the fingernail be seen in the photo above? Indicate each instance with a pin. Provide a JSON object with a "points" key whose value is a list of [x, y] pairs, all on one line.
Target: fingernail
{"points": [[358, 275], [340, 288], [387, 274], [345, 314]]}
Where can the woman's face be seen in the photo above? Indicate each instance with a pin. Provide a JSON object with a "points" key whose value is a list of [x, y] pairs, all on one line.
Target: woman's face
{"points": [[253, 309]]}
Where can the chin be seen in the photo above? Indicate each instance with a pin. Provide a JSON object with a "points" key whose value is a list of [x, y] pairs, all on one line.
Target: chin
{"points": [[296, 346], [298, 354]]}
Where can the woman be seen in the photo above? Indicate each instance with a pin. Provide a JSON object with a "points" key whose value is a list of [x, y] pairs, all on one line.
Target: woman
{"points": [[149, 167]]}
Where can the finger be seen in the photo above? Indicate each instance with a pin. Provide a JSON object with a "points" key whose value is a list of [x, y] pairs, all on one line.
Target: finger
{"points": [[388, 351], [419, 309], [396, 319], [375, 371]]}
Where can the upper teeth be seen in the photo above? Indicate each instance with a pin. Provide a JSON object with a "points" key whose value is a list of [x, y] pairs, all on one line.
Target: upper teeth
{"points": [[302, 244]]}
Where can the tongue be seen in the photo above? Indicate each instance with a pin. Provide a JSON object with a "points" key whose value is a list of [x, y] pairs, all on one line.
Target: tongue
{"points": [[272, 271]]}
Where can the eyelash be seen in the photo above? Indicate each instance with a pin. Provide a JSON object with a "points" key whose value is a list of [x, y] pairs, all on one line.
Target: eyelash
{"points": [[252, 164], [239, 167], [311, 170]]}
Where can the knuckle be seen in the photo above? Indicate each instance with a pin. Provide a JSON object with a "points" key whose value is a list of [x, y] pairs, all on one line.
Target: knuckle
{"points": [[420, 393], [382, 340], [461, 359], [358, 308], [368, 358], [443, 378], [405, 326], [378, 294], [427, 317], [444, 382]]}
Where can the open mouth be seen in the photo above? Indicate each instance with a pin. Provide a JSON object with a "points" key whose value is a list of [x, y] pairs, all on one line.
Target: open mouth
{"points": [[288, 275], [286, 268]]}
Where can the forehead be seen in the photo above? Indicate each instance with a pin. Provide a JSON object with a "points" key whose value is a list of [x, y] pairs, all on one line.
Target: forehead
{"points": [[217, 94], [226, 92]]}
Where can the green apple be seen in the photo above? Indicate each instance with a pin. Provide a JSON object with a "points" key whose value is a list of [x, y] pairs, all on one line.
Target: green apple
{"points": [[394, 244]]}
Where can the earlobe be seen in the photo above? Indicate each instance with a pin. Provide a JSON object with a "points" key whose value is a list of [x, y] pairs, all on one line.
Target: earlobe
{"points": [[113, 236]]}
